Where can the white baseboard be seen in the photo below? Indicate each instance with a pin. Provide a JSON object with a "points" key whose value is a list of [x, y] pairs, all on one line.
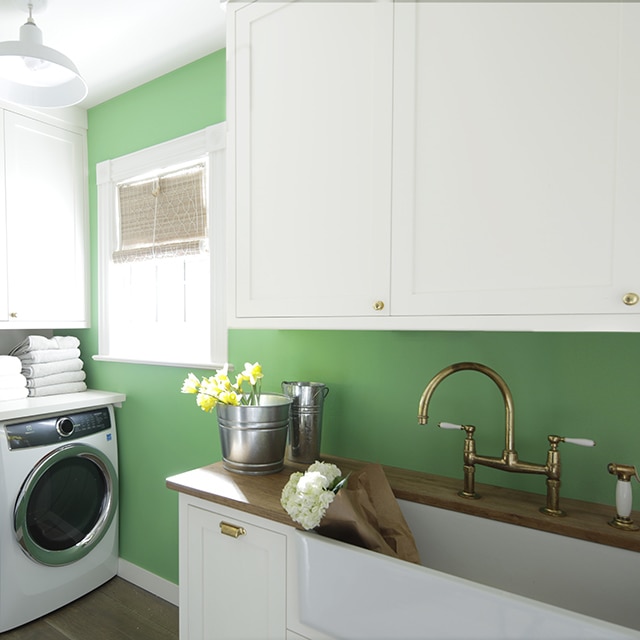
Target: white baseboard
{"points": [[149, 581]]}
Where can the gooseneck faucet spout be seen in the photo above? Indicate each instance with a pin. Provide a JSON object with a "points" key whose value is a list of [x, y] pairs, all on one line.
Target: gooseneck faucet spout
{"points": [[423, 408], [509, 460]]}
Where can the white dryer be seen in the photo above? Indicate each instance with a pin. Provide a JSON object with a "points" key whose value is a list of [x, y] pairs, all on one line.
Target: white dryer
{"points": [[58, 511]]}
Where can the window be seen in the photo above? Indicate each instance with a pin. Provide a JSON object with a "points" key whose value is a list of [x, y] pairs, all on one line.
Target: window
{"points": [[161, 253]]}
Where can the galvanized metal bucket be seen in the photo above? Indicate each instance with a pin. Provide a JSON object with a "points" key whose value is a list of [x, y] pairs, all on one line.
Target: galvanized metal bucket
{"points": [[254, 438], [305, 431]]}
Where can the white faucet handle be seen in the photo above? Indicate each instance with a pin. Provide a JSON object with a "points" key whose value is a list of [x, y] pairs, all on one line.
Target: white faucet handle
{"points": [[583, 442], [449, 425]]}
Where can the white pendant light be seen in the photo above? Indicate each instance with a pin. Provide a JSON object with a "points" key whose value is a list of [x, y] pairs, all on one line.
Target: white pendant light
{"points": [[35, 75]]}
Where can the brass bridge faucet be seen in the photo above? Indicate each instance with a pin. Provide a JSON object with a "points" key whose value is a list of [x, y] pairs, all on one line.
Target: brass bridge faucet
{"points": [[509, 460]]}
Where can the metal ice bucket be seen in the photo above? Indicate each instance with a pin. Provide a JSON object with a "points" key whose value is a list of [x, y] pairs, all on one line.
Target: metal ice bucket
{"points": [[254, 438], [305, 431]]}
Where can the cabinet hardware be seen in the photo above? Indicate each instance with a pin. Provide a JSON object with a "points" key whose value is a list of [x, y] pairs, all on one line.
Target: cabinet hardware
{"points": [[232, 530], [630, 299], [13, 314], [378, 305]]}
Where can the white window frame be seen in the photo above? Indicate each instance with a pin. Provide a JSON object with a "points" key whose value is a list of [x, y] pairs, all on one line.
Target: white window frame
{"points": [[209, 142]]}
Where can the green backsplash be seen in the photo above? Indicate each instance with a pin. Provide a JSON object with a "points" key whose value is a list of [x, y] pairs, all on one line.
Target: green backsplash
{"points": [[581, 385], [576, 385]]}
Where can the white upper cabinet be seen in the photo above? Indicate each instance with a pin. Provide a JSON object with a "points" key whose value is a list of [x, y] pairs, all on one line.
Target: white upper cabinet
{"points": [[4, 296], [46, 231], [516, 166], [310, 113], [512, 165]]}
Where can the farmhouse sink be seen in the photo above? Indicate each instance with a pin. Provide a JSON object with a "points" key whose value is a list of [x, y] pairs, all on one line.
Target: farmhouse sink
{"points": [[481, 579], [351, 593]]}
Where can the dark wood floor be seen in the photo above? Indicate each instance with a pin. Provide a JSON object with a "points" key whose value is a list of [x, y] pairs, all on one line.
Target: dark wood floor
{"points": [[116, 611]]}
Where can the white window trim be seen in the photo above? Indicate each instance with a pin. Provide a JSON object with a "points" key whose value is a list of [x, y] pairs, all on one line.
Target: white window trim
{"points": [[210, 142]]}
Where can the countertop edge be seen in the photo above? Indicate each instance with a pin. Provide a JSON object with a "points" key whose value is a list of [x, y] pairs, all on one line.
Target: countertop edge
{"points": [[260, 496]]}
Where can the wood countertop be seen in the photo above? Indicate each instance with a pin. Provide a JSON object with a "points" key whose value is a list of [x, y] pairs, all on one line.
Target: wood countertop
{"points": [[260, 495]]}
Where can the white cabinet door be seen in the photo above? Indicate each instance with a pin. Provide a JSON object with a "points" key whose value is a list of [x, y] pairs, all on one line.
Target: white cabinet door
{"points": [[4, 300], [45, 210], [230, 587], [310, 99], [517, 156]]}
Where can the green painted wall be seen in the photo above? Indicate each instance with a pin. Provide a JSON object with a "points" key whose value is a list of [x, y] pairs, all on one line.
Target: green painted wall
{"points": [[581, 385]]}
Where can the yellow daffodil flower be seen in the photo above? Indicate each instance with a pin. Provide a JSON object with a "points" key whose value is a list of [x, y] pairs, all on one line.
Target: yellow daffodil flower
{"points": [[240, 378], [222, 382], [218, 388], [252, 372], [191, 384], [206, 402], [229, 397]]}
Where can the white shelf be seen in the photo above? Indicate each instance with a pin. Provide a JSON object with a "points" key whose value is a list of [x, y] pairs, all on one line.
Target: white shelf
{"points": [[68, 402]]}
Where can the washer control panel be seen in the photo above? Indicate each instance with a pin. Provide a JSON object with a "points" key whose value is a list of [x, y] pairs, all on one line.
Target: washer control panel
{"points": [[42, 431]]}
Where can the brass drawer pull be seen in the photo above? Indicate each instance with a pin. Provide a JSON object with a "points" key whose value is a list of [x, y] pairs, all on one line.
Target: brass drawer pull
{"points": [[232, 530], [630, 299]]}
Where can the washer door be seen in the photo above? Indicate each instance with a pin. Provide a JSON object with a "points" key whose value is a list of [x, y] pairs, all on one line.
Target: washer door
{"points": [[66, 505]]}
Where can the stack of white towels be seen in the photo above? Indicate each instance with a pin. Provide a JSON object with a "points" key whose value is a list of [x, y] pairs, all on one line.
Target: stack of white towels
{"points": [[13, 385], [51, 365]]}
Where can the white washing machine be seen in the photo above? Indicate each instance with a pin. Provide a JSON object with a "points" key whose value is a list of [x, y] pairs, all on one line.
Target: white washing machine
{"points": [[58, 510]]}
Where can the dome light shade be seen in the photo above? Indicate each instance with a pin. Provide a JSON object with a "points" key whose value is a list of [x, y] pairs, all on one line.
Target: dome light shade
{"points": [[38, 76]]}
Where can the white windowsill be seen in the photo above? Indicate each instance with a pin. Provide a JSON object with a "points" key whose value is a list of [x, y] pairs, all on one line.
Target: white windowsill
{"points": [[159, 363]]}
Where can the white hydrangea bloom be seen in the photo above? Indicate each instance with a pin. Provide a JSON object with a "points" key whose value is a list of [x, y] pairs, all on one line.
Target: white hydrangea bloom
{"points": [[328, 470], [307, 496], [313, 483]]}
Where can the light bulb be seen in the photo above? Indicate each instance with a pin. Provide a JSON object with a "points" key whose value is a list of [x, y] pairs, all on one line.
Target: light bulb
{"points": [[35, 64]]}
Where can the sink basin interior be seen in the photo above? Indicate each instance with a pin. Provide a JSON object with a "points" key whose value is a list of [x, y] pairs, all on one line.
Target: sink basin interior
{"points": [[352, 593], [585, 577]]}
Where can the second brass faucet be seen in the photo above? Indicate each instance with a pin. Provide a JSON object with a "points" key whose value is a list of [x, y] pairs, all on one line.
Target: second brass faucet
{"points": [[509, 461]]}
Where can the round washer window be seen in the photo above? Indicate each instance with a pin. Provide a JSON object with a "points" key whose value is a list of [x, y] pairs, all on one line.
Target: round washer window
{"points": [[66, 505]]}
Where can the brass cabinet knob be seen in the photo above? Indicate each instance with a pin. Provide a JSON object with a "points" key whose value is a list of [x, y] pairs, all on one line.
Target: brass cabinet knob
{"points": [[630, 298], [13, 314], [378, 305]]}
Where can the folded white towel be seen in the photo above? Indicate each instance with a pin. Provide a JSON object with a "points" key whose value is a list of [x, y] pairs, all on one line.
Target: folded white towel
{"points": [[39, 343], [13, 394], [54, 389], [9, 365], [49, 355], [56, 378], [14, 381], [49, 368]]}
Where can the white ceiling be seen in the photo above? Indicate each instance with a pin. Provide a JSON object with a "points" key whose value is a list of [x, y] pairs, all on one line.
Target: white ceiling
{"points": [[120, 44]]}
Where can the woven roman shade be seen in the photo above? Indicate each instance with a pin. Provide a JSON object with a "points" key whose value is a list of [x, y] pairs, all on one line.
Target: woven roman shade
{"points": [[163, 216]]}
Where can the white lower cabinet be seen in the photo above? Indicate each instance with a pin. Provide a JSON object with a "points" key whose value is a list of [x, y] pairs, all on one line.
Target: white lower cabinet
{"points": [[238, 576], [232, 577]]}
